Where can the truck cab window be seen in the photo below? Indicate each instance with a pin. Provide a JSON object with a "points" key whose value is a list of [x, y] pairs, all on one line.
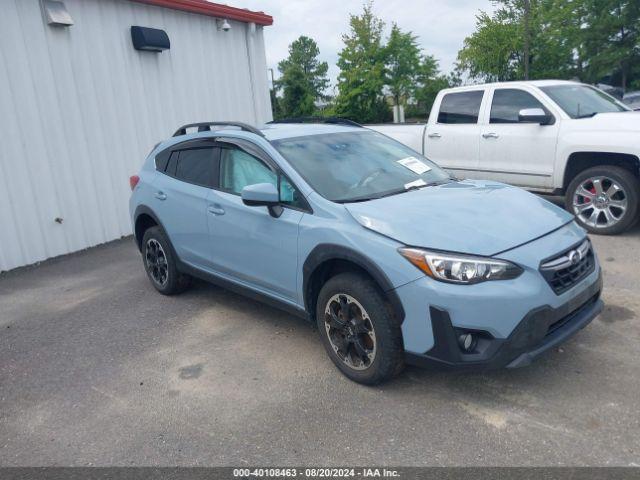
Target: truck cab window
{"points": [[461, 108], [507, 103]]}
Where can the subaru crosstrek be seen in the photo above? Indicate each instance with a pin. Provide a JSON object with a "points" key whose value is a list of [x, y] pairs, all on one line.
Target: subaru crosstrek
{"points": [[393, 259]]}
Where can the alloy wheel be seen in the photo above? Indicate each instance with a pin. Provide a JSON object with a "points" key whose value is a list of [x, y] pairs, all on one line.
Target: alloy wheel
{"points": [[350, 331], [156, 260], [600, 202]]}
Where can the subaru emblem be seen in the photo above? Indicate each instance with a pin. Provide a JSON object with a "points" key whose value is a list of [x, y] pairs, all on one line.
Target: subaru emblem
{"points": [[575, 256]]}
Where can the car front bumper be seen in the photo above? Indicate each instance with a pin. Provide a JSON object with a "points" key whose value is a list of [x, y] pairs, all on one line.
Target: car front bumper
{"points": [[513, 321], [540, 330]]}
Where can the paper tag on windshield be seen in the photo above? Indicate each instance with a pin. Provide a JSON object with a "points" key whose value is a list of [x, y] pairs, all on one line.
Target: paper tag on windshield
{"points": [[418, 183], [415, 165]]}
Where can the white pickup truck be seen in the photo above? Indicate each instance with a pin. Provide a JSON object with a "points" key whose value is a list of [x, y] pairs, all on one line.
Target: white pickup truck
{"points": [[557, 137]]}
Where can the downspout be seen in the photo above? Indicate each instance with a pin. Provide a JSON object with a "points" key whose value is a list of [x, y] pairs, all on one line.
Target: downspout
{"points": [[251, 31]]}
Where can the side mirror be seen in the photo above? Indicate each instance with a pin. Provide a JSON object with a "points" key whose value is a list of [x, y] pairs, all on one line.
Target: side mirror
{"points": [[262, 195], [534, 115]]}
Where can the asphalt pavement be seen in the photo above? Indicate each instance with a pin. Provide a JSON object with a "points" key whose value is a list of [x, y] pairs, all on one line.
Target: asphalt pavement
{"points": [[96, 368]]}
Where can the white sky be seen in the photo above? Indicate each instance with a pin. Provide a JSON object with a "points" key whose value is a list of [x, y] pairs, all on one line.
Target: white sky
{"points": [[441, 25]]}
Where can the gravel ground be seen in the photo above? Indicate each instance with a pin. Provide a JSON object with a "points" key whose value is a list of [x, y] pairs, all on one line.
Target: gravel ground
{"points": [[96, 368]]}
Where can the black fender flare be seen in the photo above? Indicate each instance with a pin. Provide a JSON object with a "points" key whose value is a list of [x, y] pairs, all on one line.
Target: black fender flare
{"points": [[144, 210], [326, 251]]}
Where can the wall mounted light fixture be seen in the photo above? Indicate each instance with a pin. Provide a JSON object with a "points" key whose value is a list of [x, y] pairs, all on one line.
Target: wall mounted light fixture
{"points": [[56, 14], [150, 39], [223, 24]]}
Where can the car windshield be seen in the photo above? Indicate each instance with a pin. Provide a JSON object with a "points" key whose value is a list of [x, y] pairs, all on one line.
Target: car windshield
{"points": [[358, 166], [582, 101]]}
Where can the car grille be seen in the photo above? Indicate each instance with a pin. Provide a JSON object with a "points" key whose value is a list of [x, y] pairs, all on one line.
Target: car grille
{"points": [[568, 268]]}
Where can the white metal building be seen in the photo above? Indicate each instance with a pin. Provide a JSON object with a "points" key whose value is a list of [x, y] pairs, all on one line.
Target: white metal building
{"points": [[80, 108]]}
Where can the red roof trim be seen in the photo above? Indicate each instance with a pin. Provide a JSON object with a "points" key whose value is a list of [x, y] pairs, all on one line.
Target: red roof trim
{"points": [[213, 10]]}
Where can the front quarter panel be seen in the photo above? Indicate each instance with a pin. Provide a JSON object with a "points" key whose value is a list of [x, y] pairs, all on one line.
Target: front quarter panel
{"points": [[332, 225]]}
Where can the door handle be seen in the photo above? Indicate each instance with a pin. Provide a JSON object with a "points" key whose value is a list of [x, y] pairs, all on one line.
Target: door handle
{"points": [[490, 135], [161, 195], [434, 135], [216, 210]]}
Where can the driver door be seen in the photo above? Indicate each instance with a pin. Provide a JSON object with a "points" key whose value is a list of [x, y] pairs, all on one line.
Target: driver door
{"points": [[247, 243]]}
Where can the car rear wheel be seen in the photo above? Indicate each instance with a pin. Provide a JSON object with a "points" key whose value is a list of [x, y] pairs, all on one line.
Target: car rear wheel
{"points": [[160, 263], [357, 329], [604, 199]]}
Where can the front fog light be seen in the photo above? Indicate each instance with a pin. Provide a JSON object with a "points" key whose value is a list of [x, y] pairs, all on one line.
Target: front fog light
{"points": [[467, 342]]}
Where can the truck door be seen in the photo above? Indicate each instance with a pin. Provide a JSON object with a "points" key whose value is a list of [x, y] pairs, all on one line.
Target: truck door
{"points": [[453, 134], [517, 153]]}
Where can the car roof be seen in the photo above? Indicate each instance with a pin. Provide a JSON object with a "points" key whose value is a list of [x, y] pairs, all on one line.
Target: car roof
{"points": [[534, 83], [279, 131], [270, 131]]}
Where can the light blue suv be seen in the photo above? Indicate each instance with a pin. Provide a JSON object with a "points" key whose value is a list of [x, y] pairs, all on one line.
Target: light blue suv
{"points": [[394, 260]]}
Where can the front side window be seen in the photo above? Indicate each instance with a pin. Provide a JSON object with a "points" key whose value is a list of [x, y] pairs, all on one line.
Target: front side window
{"points": [[507, 103], [195, 165], [239, 169], [582, 101], [461, 107], [355, 166]]}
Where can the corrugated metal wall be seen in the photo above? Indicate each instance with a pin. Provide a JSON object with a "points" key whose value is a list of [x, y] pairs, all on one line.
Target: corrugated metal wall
{"points": [[80, 109]]}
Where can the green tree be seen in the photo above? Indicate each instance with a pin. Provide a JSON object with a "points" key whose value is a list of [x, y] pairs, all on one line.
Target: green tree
{"points": [[429, 81], [491, 53], [612, 41], [522, 39], [303, 79], [362, 70], [592, 40], [402, 58]]}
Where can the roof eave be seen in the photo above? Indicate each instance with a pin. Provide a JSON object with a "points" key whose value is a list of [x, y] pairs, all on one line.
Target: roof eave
{"points": [[213, 10]]}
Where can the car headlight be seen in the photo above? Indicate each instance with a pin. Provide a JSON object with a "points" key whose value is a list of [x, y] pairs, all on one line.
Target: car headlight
{"points": [[458, 268]]}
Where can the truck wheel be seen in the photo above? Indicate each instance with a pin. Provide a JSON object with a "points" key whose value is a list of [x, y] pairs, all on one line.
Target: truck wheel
{"points": [[160, 264], [357, 329], [604, 199]]}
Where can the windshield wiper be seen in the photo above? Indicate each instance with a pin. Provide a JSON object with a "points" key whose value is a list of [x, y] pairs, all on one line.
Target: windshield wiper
{"points": [[587, 115], [394, 192]]}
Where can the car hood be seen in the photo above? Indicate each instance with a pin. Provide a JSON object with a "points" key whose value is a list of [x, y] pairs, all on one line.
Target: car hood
{"points": [[615, 121], [475, 217]]}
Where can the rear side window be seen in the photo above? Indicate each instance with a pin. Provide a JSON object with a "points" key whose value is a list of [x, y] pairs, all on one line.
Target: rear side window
{"points": [[461, 108], [194, 166], [172, 164], [507, 103]]}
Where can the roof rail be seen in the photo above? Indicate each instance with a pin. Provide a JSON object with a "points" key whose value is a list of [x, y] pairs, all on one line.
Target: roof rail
{"points": [[206, 127], [332, 120]]}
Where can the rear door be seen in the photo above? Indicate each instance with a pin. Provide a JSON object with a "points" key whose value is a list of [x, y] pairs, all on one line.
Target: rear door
{"points": [[180, 199], [247, 243], [517, 153], [452, 141]]}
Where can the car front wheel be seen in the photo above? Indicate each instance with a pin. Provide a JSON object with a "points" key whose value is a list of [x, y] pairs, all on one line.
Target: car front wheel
{"points": [[357, 329], [604, 199]]}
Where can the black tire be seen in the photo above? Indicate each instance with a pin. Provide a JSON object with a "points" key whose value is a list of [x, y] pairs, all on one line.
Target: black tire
{"points": [[630, 192], [388, 356], [174, 282]]}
